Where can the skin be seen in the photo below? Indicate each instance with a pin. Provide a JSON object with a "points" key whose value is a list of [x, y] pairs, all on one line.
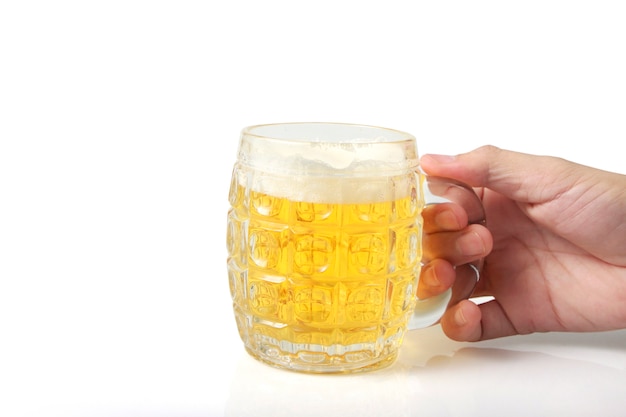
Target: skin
{"points": [[554, 246]]}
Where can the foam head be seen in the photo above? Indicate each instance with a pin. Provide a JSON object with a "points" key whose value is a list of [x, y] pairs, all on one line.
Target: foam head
{"points": [[328, 162]]}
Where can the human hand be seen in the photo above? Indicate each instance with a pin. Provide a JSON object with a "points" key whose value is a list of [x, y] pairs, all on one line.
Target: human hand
{"points": [[559, 245]]}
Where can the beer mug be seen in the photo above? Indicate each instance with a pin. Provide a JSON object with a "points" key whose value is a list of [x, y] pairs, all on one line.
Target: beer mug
{"points": [[324, 242]]}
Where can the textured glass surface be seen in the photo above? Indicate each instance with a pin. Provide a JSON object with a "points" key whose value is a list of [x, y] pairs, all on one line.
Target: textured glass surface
{"points": [[321, 286]]}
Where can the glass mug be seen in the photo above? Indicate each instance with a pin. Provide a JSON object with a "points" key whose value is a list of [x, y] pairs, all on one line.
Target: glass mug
{"points": [[324, 242]]}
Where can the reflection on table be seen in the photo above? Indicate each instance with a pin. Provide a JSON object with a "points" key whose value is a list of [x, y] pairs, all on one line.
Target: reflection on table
{"points": [[543, 374]]}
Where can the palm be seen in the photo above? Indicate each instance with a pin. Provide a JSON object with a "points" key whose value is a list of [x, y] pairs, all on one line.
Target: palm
{"points": [[544, 282]]}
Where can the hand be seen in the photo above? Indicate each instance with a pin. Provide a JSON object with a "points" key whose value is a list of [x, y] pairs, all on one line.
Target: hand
{"points": [[449, 243], [559, 245]]}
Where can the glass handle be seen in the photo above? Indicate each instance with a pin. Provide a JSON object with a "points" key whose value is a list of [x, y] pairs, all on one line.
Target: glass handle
{"points": [[439, 190]]}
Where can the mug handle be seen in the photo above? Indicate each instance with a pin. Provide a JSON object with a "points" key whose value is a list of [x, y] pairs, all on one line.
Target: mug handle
{"points": [[437, 190]]}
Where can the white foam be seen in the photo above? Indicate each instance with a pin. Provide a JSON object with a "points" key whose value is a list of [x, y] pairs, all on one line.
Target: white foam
{"points": [[329, 163], [331, 189]]}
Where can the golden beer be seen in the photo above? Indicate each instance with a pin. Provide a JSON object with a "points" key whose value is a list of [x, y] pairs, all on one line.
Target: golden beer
{"points": [[323, 268]]}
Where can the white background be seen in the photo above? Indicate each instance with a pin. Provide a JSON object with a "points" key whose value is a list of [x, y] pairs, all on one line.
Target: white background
{"points": [[119, 122]]}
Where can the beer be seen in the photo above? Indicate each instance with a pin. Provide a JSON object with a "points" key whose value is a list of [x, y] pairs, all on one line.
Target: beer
{"points": [[324, 244], [323, 272]]}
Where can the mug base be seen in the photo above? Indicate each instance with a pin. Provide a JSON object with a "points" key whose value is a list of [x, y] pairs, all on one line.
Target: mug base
{"points": [[335, 365]]}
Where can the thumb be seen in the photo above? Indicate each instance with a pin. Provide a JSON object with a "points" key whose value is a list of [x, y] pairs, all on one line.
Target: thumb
{"points": [[560, 195], [518, 176]]}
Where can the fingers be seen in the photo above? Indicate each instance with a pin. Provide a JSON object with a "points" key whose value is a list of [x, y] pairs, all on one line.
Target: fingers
{"points": [[435, 278], [437, 188], [513, 174], [448, 242], [462, 322], [468, 322], [447, 235], [458, 247], [444, 217]]}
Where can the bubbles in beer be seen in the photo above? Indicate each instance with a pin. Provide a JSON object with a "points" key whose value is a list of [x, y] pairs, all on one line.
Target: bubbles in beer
{"points": [[327, 281]]}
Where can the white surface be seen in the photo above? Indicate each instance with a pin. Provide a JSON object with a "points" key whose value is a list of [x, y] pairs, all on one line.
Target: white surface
{"points": [[119, 123]]}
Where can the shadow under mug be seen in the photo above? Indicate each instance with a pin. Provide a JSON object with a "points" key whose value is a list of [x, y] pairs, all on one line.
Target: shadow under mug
{"points": [[324, 242]]}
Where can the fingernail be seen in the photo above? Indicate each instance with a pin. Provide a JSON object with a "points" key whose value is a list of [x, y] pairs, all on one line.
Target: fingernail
{"points": [[447, 220], [440, 159], [470, 244], [459, 317], [430, 278]]}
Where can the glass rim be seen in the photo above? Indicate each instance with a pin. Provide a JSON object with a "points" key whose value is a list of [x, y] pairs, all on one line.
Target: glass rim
{"points": [[297, 133]]}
